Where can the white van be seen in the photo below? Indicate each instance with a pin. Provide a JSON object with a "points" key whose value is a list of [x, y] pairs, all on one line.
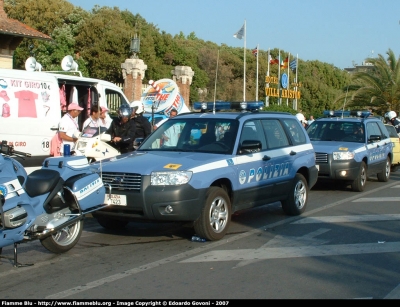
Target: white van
{"points": [[31, 106]]}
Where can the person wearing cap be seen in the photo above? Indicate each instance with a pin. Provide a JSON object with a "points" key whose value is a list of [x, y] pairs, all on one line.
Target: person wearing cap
{"points": [[105, 119], [68, 128]]}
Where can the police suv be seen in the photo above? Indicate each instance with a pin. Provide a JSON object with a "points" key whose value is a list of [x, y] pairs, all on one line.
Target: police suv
{"points": [[350, 146], [202, 167]]}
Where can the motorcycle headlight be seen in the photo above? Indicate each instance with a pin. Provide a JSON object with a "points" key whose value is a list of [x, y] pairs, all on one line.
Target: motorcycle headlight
{"points": [[343, 155], [170, 178]]}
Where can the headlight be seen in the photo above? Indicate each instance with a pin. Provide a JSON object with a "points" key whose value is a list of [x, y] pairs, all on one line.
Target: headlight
{"points": [[343, 155], [170, 178]]}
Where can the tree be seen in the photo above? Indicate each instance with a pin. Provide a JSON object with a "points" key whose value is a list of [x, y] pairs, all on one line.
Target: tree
{"points": [[377, 88]]}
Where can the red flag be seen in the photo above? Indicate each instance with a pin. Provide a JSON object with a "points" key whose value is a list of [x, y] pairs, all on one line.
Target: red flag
{"points": [[273, 61], [255, 51]]}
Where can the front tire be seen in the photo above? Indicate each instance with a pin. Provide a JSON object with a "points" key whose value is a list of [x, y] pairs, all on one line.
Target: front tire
{"points": [[385, 174], [358, 184], [64, 239], [215, 217], [296, 202]]}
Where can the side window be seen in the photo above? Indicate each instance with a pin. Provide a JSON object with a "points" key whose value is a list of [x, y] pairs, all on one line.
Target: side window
{"points": [[373, 129], [385, 132], [114, 100], [253, 131], [296, 130], [276, 136]]}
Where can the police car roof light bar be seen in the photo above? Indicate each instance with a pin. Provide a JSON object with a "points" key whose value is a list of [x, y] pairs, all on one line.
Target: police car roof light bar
{"points": [[226, 105]]}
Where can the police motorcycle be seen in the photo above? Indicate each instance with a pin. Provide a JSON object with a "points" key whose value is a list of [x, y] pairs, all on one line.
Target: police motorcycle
{"points": [[93, 144], [49, 204]]}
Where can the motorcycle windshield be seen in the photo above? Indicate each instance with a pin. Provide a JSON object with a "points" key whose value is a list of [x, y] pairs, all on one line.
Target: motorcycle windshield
{"points": [[91, 132]]}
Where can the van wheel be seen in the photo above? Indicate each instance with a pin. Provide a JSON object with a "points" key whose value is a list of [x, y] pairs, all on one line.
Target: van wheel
{"points": [[110, 223], [296, 202], [215, 217], [358, 184], [385, 174]]}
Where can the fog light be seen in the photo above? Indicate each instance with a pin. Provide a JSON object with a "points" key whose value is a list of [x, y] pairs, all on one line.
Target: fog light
{"points": [[168, 209], [343, 173]]}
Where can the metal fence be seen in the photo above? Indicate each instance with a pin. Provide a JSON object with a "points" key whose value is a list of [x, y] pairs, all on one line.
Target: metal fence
{"points": [[114, 100]]}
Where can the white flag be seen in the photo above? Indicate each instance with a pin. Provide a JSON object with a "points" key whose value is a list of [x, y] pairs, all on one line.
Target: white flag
{"points": [[239, 34]]}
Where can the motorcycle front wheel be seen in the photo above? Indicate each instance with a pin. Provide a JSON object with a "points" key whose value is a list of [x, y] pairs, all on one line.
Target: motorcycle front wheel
{"points": [[64, 239]]}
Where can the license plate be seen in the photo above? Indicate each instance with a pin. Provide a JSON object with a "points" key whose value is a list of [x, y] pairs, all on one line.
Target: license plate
{"points": [[115, 199], [317, 166]]}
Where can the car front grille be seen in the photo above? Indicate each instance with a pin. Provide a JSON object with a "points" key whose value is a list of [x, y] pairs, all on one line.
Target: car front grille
{"points": [[122, 181], [321, 157]]}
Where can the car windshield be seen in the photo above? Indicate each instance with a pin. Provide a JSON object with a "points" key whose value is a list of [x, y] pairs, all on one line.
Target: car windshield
{"points": [[337, 131], [193, 135]]}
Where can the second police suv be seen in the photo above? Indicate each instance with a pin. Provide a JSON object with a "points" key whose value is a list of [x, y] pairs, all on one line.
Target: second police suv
{"points": [[202, 167], [350, 146]]}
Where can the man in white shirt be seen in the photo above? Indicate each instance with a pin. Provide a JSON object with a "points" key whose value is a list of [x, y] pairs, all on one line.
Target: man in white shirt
{"points": [[105, 118], [93, 120], [68, 128]]}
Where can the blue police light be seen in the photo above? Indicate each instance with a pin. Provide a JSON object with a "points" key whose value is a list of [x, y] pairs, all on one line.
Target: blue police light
{"points": [[226, 105]]}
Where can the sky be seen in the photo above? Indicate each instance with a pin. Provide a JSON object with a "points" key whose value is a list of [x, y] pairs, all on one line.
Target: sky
{"points": [[339, 32]]}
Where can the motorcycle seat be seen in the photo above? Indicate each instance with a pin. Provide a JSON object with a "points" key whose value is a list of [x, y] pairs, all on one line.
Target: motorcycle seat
{"points": [[41, 181]]}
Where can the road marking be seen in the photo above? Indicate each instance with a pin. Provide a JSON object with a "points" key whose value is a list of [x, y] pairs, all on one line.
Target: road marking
{"points": [[376, 199], [205, 246], [295, 252], [349, 219]]}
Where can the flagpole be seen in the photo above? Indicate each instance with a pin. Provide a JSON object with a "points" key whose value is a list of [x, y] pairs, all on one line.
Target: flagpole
{"points": [[287, 99], [244, 64], [297, 83], [257, 76], [279, 79], [267, 84]]}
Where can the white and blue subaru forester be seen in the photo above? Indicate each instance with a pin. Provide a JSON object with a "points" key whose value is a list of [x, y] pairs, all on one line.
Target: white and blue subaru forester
{"points": [[350, 146], [219, 163]]}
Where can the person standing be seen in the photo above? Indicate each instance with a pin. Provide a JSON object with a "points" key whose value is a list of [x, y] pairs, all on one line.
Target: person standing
{"points": [[68, 127], [172, 134], [105, 119], [143, 126], [310, 120], [122, 130], [392, 116], [93, 121]]}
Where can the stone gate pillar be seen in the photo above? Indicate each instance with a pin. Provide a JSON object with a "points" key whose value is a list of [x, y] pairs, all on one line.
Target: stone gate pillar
{"points": [[183, 75], [133, 72]]}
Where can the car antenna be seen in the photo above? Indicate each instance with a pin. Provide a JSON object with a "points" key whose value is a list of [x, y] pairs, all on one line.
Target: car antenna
{"points": [[215, 85], [345, 100]]}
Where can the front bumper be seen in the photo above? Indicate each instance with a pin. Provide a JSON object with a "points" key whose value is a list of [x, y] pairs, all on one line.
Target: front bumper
{"points": [[339, 170], [158, 203]]}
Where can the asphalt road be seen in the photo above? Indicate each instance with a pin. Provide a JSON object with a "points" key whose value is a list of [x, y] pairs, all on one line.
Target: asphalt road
{"points": [[346, 246]]}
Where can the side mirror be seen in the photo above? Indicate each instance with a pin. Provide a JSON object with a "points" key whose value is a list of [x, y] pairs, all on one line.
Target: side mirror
{"points": [[374, 138], [250, 146]]}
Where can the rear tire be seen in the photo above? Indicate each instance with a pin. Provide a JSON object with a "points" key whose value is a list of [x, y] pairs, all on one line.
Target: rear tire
{"points": [[110, 223], [296, 202], [64, 239], [215, 217], [385, 174], [358, 184]]}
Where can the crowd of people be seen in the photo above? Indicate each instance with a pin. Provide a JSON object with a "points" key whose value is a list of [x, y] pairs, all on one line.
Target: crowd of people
{"points": [[124, 129]]}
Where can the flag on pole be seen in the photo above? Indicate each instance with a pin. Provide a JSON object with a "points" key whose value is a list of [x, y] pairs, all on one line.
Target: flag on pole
{"points": [[239, 34], [293, 65], [273, 61], [255, 51], [284, 63]]}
